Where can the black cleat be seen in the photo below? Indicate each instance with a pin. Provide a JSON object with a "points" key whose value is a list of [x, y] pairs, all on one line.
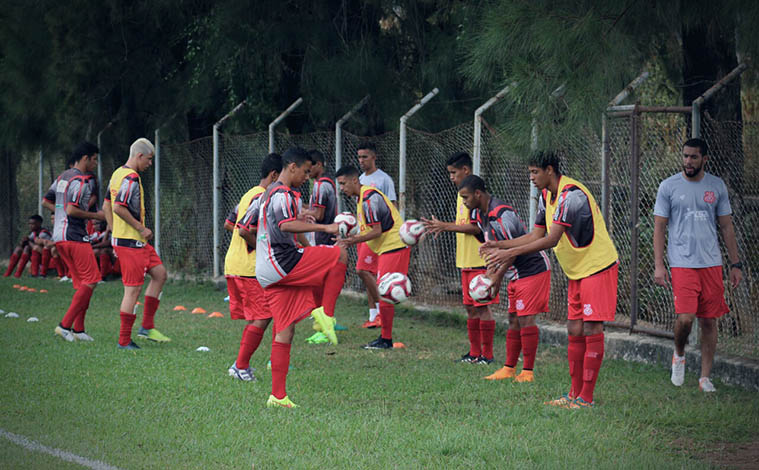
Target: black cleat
{"points": [[467, 359], [131, 345], [379, 343], [482, 360]]}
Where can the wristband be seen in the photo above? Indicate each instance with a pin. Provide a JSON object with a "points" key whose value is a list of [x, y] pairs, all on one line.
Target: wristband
{"points": [[738, 265]]}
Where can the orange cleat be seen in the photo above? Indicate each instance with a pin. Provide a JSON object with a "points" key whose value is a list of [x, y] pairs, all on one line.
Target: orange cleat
{"points": [[504, 372], [197, 310], [377, 323], [524, 376], [180, 308], [216, 315]]}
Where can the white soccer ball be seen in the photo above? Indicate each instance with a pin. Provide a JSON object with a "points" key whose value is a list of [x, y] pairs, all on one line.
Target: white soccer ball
{"points": [[394, 287], [347, 224], [481, 289], [411, 232]]}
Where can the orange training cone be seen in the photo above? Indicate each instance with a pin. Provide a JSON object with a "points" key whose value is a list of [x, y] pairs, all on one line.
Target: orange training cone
{"points": [[199, 310], [43, 291], [399, 345], [180, 308], [216, 315]]}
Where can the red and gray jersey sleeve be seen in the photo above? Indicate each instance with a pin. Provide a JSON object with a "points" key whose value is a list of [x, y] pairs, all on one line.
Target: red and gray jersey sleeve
{"points": [[540, 216], [50, 194], [284, 208], [78, 193], [129, 194], [505, 224], [377, 212], [92, 182], [45, 235], [232, 215], [249, 221], [573, 211]]}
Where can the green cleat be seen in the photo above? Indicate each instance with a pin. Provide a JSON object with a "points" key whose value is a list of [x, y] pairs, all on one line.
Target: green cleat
{"points": [[317, 338], [327, 324], [274, 402], [153, 335]]}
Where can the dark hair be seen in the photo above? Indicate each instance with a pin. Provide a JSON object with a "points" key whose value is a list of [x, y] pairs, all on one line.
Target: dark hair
{"points": [[36, 217], [473, 183], [272, 162], [459, 160], [316, 156], [368, 146], [347, 171], [543, 159], [700, 143], [84, 149], [296, 155]]}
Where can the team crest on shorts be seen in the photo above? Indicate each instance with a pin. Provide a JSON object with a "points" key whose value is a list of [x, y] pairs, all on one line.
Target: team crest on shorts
{"points": [[520, 304], [369, 259], [709, 197], [587, 310]]}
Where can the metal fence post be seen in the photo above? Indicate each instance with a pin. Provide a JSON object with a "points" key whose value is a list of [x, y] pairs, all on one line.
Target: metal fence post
{"points": [[477, 144], [279, 119], [100, 163], [634, 215], [157, 193], [533, 189], [695, 129], [217, 191], [40, 189], [402, 150], [339, 140]]}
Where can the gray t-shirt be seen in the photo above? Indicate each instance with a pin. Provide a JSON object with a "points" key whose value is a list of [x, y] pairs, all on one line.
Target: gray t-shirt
{"points": [[692, 209], [379, 180]]}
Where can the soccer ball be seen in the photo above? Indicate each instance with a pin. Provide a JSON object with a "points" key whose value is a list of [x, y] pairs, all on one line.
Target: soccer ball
{"points": [[411, 232], [481, 289], [394, 287], [347, 224]]}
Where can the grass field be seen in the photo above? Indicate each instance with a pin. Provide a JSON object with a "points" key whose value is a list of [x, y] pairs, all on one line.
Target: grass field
{"points": [[168, 406]]}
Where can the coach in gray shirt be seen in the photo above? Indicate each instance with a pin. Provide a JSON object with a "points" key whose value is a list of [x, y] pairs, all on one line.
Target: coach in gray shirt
{"points": [[690, 205]]}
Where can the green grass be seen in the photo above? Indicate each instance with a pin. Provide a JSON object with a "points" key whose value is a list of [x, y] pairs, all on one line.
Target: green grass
{"points": [[168, 406]]}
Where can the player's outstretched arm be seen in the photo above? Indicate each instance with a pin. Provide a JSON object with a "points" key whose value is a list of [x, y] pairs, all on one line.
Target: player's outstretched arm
{"points": [[728, 234], [437, 226], [127, 216], [298, 226], [375, 231]]}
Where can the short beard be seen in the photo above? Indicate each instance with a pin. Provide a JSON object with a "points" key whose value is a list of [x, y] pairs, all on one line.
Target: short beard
{"points": [[691, 172]]}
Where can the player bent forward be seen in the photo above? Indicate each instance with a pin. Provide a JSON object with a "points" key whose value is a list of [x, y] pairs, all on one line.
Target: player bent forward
{"points": [[293, 277], [570, 222], [529, 277]]}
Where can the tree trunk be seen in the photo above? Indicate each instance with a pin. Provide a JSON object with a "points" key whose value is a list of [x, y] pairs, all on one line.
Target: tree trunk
{"points": [[9, 211]]}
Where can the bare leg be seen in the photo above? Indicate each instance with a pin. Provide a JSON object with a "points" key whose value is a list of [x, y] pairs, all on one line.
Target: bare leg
{"points": [[708, 344], [683, 324]]}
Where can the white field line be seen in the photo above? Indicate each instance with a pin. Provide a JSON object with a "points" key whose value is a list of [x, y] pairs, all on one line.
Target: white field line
{"points": [[61, 454]]}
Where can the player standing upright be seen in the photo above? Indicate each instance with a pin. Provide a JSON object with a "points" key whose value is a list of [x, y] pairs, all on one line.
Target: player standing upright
{"points": [[570, 222], [246, 296], [72, 196], [380, 223], [529, 278], [691, 205], [323, 201], [125, 207], [480, 323], [366, 265], [291, 275]]}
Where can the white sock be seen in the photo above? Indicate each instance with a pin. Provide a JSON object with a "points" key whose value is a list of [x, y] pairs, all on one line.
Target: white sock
{"points": [[373, 312], [678, 357]]}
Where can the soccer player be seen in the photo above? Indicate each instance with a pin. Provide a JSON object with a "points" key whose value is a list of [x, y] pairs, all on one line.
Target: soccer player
{"points": [[690, 205], [72, 194], [380, 223], [39, 237], [529, 278], [102, 247], [246, 296], [480, 323], [570, 222], [26, 249], [323, 201], [125, 206], [290, 274], [366, 264]]}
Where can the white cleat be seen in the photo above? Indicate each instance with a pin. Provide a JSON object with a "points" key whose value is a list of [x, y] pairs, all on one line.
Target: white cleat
{"points": [[83, 336], [678, 370], [706, 385], [246, 375], [64, 333], [64, 279]]}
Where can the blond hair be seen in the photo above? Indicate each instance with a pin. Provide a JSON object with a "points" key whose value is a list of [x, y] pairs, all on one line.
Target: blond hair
{"points": [[141, 146]]}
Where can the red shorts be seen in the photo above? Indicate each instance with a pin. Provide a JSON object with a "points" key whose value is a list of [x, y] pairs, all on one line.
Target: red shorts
{"points": [[594, 298], [246, 299], [466, 277], [80, 259], [367, 259], [135, 262], [291, 299], [529, 295], [393, 262], [700, 291]]}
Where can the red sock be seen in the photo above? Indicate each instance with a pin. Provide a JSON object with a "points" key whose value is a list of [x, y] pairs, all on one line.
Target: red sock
{"points": [[473, 329], [35, 267], [45, 262], [333, 284], [280, 362], [576, 356], [148, 312], [59, 266], [12, 264], [84, 304], [594, 356], [487, 330], [513, 347], [251, 338], [105, 264], [387, 313], [79, 302], [22, 264], [529, 346], [125, 332]]}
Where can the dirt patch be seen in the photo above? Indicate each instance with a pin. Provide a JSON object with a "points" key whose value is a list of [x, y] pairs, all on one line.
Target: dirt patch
{"points": [[730, 455]]}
